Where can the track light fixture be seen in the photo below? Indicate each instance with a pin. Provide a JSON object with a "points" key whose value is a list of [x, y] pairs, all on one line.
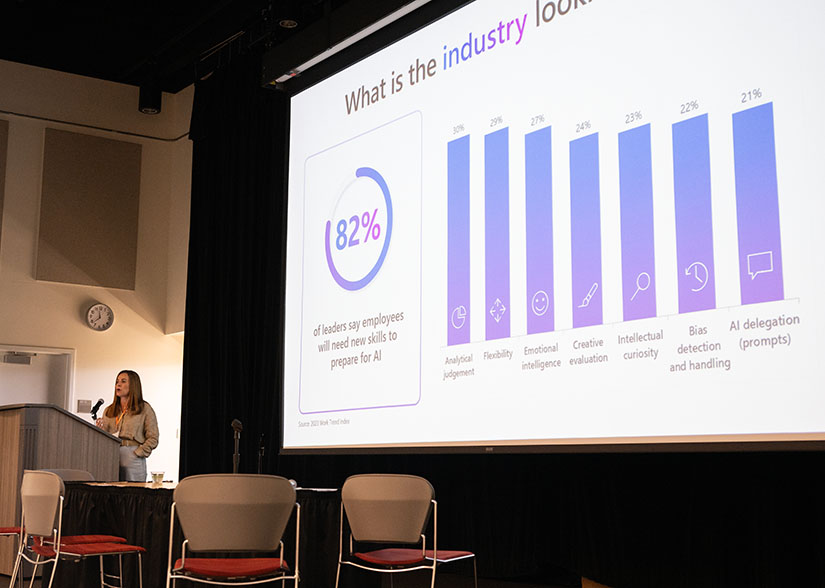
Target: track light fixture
{"points": [[150, 99]]}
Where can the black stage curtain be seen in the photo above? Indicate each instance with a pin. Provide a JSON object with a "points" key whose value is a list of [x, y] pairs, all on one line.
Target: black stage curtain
{"points": [[231, 365], [637, 520]]}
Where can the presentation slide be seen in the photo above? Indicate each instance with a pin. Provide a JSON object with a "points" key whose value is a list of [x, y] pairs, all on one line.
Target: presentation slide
{"points": [[562, 222]]}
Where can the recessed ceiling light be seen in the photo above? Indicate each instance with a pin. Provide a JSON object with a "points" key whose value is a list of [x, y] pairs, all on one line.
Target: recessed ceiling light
{"points": [[288, 23]]}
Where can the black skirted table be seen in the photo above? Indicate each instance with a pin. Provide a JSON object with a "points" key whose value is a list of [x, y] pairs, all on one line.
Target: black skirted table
{"points": [[140, 513]]}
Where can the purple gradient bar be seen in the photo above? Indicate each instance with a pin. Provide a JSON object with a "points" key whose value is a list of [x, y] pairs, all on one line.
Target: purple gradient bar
{"points": [[497, 234], [757, 205], [539, 212], [694, 224], [458, 241], [636, 203], [586, 231]]}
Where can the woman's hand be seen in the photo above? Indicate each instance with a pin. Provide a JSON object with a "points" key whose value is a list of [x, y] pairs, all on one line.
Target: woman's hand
{"points": [[99, 422]]}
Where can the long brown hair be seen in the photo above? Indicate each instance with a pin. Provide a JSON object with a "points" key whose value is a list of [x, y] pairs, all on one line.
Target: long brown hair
{"points": [[135, 396]]}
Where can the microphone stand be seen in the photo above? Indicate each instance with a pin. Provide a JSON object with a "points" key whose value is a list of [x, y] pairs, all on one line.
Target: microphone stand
{"points": [[261, 454], [236, 457]]}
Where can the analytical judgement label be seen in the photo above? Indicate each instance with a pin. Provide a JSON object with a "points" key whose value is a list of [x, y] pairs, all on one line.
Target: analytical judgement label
{"points": [[362, 248]]}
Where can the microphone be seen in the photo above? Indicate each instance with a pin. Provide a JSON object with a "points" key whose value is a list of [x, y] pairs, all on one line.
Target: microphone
{"points": [[237, 426], [97, 405]]}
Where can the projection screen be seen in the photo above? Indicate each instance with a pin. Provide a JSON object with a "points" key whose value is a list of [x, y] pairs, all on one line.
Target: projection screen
{"points": [[556, 223]]}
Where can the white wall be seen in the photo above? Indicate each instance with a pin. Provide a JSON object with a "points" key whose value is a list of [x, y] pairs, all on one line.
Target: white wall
{"points": [[147, 335], [41, 381]]}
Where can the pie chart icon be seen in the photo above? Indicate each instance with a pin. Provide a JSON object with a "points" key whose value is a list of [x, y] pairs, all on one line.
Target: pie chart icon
{"points": [[458, 317]]}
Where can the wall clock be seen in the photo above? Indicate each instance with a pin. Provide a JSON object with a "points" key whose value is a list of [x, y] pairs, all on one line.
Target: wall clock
{"points": [[99, 317]]}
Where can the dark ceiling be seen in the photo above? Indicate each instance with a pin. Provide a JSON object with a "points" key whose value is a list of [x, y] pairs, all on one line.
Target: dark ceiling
{"points": [[168, 44]]}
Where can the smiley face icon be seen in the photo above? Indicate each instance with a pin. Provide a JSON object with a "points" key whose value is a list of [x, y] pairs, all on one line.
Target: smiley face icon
{"points": [[540, 303]]}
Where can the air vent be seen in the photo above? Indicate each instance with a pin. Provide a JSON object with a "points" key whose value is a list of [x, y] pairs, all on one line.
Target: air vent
{"points": [[18, 357]]}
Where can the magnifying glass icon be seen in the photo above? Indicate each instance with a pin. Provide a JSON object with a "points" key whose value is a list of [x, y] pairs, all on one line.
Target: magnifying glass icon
{"points": [[642, 284]]}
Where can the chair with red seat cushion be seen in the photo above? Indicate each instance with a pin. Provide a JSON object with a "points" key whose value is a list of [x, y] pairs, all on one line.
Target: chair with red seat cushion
{"points": [[78, 539], [78, 551], [391, 509], [70, 475], [42, 542], [232, 516]]}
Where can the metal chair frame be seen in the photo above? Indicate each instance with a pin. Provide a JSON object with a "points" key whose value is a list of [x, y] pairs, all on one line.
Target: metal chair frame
{"points": [[429, 560], [74, 552], [178, 573]]}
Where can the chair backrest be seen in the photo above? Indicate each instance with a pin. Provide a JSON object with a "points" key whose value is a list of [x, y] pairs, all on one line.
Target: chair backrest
{"points": [[234, 512], [72, 475], [40, 496], [387, 507]]}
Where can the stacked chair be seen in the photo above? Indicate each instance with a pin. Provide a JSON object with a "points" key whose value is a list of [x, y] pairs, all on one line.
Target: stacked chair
{"points": [[42, 541], [11, 532], [233, 526], [392, 510]]}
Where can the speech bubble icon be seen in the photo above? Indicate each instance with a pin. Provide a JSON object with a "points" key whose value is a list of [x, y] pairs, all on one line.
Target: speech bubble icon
{"points": [[760, 263]]}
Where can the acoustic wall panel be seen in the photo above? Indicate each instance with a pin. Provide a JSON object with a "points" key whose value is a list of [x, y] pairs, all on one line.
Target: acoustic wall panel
{"points": [[4, 139], [89, 210]]}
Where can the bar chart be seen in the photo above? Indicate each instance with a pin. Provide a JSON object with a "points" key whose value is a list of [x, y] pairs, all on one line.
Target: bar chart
{"points": [[757, 205], [606, 229], [757, 226], [692, 199], [539, 224], [585, 231]]}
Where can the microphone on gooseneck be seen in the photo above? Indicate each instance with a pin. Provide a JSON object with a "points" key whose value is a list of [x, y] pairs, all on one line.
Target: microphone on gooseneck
{"points": [[97, 405]]}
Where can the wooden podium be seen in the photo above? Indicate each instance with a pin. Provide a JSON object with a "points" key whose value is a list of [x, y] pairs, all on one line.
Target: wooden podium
{"points": [[45, 436]]}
